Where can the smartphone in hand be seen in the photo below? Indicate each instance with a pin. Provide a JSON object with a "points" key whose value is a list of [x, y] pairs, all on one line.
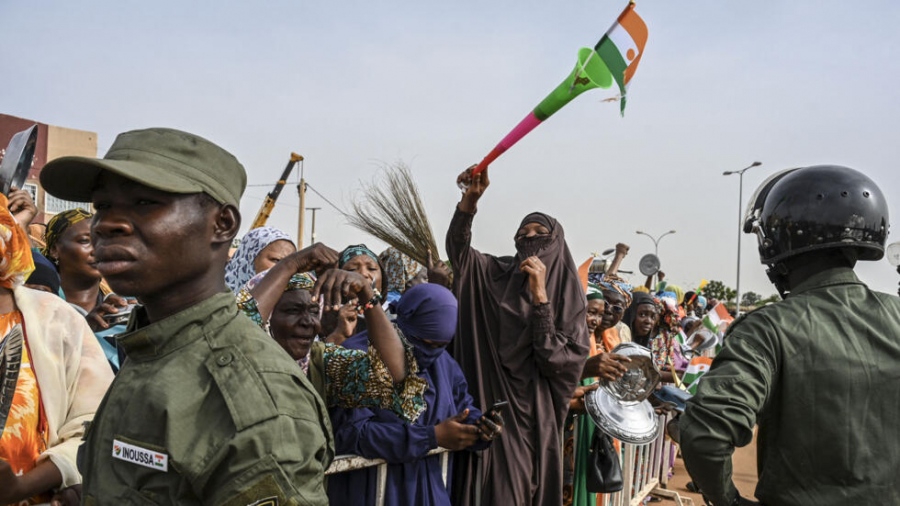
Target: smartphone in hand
{"points": [[497, 408]]}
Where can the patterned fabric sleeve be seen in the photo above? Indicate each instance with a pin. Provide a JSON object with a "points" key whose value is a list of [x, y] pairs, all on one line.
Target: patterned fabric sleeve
{"points": [[247, 304], [360, 379], [662, 349]]}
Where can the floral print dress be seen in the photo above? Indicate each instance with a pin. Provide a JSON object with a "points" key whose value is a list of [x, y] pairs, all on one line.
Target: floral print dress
{"points": [[24, 436]]}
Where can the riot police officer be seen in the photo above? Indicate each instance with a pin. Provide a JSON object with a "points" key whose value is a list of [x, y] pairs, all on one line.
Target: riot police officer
{"points": [[817, 371]]}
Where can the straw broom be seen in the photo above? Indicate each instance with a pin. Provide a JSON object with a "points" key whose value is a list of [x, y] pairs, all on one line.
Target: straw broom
{"points": [[391, 209]]}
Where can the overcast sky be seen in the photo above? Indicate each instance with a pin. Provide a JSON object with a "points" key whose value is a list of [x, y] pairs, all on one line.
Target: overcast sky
{"points": [[354, 85]]}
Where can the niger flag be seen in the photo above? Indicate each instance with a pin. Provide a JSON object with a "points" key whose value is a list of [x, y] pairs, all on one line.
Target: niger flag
{"points": [[697, 368], [622, 47]]}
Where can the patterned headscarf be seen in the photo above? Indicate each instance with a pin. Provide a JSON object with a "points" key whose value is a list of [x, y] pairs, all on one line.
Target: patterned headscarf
{"points": [[58, 226], [594, 292], [669, 319], [240, 268], [617, 284], [299, 281], [399, 269], [351, 252], [16, 262], [356, 250]]}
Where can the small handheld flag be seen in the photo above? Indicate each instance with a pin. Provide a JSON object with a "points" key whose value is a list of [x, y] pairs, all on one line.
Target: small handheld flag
{"points": [[697, 368], [717, 319]]}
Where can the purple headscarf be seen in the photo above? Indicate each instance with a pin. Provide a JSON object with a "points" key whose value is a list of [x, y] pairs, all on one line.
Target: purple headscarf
{"points": [[427, 312]]}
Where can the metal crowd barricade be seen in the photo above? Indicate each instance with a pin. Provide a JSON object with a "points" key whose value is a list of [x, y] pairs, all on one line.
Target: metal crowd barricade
{"points": [[645, 471], [345, 463]]}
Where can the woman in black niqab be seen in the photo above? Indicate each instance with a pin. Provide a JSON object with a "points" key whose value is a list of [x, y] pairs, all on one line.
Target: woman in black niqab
{"points": [[521, 338]]}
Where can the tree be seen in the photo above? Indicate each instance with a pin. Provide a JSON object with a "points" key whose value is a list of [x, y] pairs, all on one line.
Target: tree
{"points": [[770, 299], [717, 290], [750, 299]]}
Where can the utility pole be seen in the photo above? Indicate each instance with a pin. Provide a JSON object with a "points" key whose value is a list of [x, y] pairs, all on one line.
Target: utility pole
{"points": [[312, 237], [301, 189]]}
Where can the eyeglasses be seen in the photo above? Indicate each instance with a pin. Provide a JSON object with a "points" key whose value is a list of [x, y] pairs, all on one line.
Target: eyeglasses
{"points": [[615, 309]]}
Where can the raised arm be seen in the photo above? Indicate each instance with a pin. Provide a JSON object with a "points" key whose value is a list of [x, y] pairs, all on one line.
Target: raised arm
{"points": [[22, 207], [459, 235], [336, 286], [312, 258], [475, 188], [621, 253]]}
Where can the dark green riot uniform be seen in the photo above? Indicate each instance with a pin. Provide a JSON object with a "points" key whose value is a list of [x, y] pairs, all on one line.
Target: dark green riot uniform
{"points": [[819, 371]]}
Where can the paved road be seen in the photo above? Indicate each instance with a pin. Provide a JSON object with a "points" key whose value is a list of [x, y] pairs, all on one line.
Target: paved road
{"points": [[744, 462]]}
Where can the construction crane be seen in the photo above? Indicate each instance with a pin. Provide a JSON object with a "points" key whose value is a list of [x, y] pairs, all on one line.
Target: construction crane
{"points": [[266, 209]]}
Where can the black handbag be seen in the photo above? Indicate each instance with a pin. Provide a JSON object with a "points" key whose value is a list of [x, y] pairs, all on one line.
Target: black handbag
{"points": [[604, 472]]}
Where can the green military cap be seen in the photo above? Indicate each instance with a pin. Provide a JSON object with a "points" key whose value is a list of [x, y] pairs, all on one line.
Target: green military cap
{"points": [[161, 158]]}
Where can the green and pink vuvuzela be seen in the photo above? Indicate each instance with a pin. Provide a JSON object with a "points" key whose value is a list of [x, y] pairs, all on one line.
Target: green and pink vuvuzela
{"points": [[614, 58]]}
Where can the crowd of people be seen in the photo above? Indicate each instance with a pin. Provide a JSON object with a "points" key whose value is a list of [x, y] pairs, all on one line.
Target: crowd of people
{"points": [[152, 364]]}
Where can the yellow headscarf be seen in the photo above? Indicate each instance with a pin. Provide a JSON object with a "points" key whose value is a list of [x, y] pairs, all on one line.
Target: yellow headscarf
{"points": [[16, 262], [58, 225], [678, 291]]}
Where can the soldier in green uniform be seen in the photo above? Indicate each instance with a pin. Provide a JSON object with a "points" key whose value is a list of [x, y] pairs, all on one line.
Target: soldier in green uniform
{"points": [[207, 409], [817, 371]]}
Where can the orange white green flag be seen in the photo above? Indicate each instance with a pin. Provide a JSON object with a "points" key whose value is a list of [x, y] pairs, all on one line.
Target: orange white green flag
{"points": [[717, 319], [695, 370], [622, 47], [613, 60]]}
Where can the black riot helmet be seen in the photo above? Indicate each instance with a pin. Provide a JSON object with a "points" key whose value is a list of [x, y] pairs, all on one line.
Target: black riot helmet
{"points": [[815, 208]]}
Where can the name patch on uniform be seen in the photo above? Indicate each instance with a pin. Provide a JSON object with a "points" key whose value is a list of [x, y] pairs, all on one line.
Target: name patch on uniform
{"points": [[140, 456], [269, 501]]}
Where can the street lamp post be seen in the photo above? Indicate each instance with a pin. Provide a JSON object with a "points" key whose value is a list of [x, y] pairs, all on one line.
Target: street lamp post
{"points": [[655, 240], [740, 173], [655, 243]]}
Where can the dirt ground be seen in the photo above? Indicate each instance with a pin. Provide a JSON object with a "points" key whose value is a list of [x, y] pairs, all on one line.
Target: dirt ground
{"points": [[744, 462]]}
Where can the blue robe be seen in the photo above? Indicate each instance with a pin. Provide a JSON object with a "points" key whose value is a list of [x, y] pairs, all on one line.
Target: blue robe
{"points": [[412, 478]]}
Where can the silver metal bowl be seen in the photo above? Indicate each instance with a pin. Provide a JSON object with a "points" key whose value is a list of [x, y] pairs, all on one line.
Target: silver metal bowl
{"points": [[620, 408]]}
